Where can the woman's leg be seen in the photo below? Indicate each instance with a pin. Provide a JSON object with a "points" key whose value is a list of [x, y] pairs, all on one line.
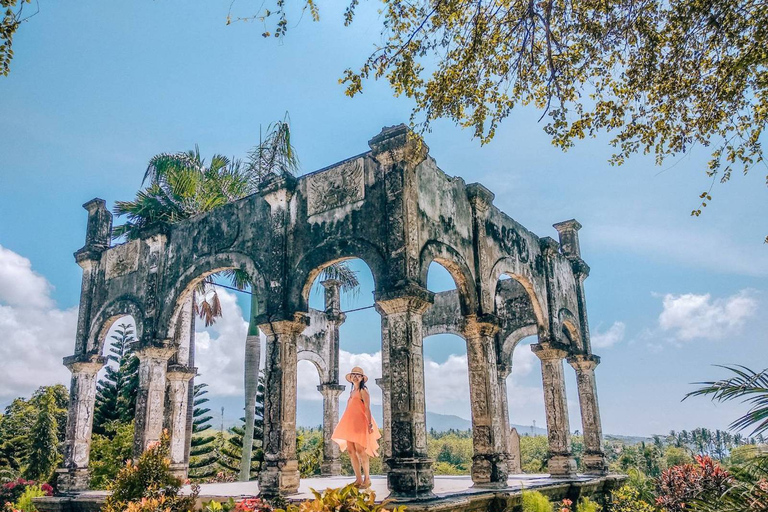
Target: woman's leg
{"points": [[353, 458], [365, 461]]}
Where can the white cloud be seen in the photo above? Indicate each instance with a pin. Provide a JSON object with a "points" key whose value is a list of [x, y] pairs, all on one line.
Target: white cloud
{"points": [[604, 339], [19, 284], [690, 316], [35, 334], [220, 349]]}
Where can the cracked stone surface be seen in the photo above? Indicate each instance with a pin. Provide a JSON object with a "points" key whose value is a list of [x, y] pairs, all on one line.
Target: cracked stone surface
{"points": [[396, 210]]}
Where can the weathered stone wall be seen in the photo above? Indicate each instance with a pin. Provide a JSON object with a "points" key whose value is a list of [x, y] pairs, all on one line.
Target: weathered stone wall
{"points": [[396, 210]]}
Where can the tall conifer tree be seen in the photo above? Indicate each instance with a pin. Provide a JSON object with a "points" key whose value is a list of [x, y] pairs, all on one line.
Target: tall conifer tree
{"points": [[43, 443], [231, 450], [202, 462], [116, 392]]}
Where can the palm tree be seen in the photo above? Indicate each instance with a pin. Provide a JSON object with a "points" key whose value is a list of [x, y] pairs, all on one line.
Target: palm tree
{"points": [[180, 187], [751, 387]]}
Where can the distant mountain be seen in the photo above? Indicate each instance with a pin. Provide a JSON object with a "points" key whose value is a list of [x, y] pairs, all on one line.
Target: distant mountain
{"points": [[309, 413]]}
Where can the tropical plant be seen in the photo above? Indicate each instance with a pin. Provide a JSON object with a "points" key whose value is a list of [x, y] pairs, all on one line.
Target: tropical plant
{"points": [[534, 501], [25, 504], [747, 386], [348, 498], [627, 499], [587, 505], [116, 392], [109, 453], [680, 486], [43, 454], [149, 484]]}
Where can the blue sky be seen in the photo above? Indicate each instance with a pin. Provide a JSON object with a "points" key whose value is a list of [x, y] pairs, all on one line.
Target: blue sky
{"points": [[96, 89]]}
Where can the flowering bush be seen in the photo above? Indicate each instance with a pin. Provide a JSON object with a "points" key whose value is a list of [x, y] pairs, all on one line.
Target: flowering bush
{"points": [[149, 486], [628, 499], [679, 486], [347, 499], [245, 505], [12, 492], [564, 506]]}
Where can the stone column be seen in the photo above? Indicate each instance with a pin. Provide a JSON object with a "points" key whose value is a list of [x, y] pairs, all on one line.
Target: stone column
{"points": [[150, 401], [594, 456], [511, 453], [386, 437], [177, 406], [385, 443], [280, 473], [73, 475], [561, 461], [335, 319], [489, 462], [331, 465], [410, 469]]}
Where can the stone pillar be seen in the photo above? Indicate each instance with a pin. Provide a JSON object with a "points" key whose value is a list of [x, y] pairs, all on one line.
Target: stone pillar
{"points": [[561, 461], [383, 383], [514, 462], [280, 473], [569, 244], [594, 456], [410, 469], [73, 476], [335, 319], [489, 462], [150, 401], [511, 451], [331, 465], [177, 405]]}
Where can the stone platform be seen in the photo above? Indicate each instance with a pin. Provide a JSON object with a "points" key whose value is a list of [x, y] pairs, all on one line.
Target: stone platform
{"points": [[452, 493]]}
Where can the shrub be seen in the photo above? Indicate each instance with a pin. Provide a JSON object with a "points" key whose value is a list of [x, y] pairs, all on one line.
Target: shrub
{"points": [[679, 486], [149, 485], [534, 501], [348, 499], [587, 505], [12, 492], [24, 503], [627, 499], [109, 453]]}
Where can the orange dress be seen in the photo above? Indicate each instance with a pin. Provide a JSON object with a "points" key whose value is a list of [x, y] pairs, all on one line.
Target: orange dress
{"points": [[353, 427]]}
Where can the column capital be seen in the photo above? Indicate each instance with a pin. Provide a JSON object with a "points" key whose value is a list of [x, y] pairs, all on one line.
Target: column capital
{"points": [[550, 350], [158, 350], [411, 298], [382, 382], [180, 373], [584, 362], [89, 364], [331, 283], [580, 268], [474, 326], [331, 390], [398, 144], [278, 190], [503, 371], [480, 197], [290, 327], [569, 237]]}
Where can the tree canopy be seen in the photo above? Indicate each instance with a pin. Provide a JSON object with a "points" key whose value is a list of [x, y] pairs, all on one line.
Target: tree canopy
{"points": [[659, 76]]}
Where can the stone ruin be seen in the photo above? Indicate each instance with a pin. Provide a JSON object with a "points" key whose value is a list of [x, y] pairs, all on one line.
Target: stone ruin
{"points": [[393, 208]]}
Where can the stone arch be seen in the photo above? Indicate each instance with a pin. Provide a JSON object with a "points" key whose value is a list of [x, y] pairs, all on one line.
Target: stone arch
{"points": [[317, 360], [570, 326], [108, 315], [202, 268], [512, 268], [456, 265], [509, 344], [328, 253]]}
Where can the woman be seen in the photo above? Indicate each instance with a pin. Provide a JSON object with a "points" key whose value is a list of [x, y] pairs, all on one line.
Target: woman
{"points": [[357, 430]]}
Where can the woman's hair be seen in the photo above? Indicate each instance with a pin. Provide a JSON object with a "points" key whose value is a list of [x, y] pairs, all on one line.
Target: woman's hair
{"points": [[362, 385]]}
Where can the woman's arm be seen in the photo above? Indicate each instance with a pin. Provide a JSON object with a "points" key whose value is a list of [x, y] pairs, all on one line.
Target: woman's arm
{"points": [[366, 397]]}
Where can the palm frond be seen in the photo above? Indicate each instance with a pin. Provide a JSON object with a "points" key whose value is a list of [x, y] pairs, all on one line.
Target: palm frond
{"points": [[274, 154], [747, 386], [343, 273], [239, 278]]}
